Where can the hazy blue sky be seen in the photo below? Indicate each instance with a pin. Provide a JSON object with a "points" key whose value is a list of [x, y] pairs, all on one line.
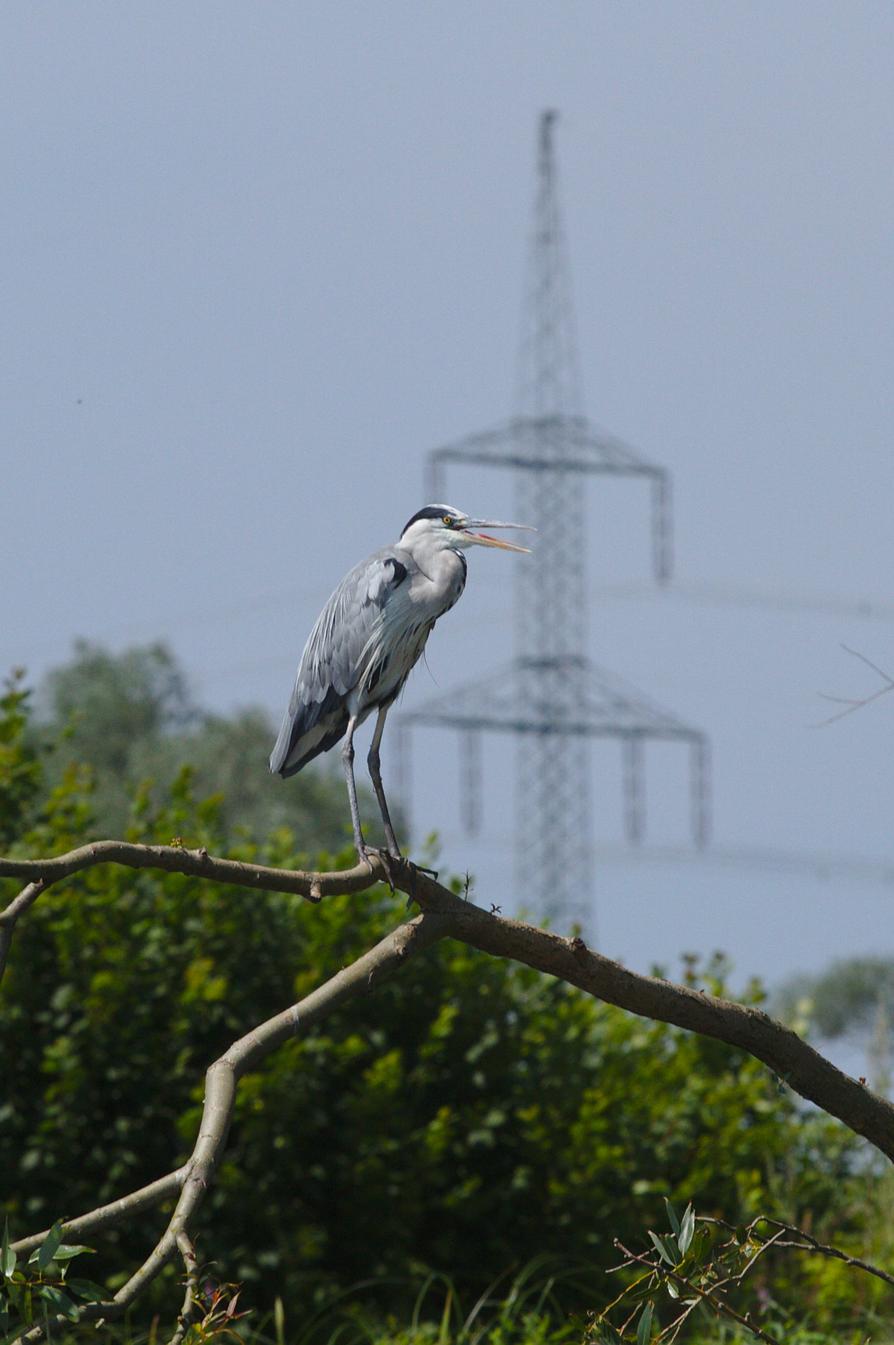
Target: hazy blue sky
{"points": [[259, 258]]}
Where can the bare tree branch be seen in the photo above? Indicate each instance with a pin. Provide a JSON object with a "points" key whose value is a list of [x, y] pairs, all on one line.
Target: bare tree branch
{"points": [[806, 1242], [172, 859], [856, 703], [749, 1028], [107, 1216], [196, 863], [191, 1266]]}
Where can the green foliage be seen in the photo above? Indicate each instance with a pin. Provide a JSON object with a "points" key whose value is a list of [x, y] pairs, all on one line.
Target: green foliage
{"points": [[845, 997], [41, 1286], [111, 701], [853, 998], [469, 1116], [701, 1272], [215, 1312], [20, 773], [523, 1308]]}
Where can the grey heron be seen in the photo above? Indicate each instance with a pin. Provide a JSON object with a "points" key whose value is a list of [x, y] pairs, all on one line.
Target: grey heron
{"points": [[367, 639]]}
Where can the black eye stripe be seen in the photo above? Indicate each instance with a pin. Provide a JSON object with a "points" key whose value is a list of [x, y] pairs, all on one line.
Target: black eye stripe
{"points": [[430, 511]]}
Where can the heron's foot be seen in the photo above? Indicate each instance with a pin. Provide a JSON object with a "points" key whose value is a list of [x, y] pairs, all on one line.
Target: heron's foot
{"points": [[371, 854]]}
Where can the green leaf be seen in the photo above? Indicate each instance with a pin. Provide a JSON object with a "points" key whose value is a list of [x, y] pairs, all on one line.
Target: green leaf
{"points": [[672, 1289], [65, 1251], [644, 1330], [46, 1252], [7, 1255], [61, 1302], [88, 1289], [661, 1245], [672, 1216], [687, 1228]]}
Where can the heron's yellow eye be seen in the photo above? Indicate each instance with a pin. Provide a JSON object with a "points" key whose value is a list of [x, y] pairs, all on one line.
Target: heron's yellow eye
{"points": [[448, 520]]}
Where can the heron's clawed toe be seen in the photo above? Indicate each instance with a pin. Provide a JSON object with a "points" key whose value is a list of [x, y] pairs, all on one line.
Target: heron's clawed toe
{"points": [[367, 854], [371, 854]]}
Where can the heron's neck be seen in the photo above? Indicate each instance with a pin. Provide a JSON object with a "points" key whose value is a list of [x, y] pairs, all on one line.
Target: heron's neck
{"points": [[441, 564]]}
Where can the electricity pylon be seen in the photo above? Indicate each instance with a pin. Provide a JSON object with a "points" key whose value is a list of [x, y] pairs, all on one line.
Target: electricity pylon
{"points": [[552, 696]]}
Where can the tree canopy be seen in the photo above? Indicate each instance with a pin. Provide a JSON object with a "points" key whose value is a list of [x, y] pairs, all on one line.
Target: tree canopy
{"points": [[131, 720]]}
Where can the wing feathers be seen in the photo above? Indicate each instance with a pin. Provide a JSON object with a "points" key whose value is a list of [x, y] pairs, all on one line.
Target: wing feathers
{"points": [[340, 653]]}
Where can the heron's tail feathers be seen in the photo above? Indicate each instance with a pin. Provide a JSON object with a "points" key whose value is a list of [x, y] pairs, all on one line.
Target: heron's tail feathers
{"points": [[304, 734]]}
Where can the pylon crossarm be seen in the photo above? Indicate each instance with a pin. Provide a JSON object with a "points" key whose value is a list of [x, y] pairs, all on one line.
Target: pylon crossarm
{"points": [[548, 443]]}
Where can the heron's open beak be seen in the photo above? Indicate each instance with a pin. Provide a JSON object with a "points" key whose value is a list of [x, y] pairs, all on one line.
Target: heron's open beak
{"points": [[483, 540]]}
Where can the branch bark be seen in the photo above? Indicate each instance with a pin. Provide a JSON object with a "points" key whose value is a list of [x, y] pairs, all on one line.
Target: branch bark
{"points": [[198, 864]]}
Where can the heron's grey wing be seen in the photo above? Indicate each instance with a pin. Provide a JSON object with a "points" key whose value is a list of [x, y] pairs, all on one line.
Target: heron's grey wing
{"points": [[334, 661]]}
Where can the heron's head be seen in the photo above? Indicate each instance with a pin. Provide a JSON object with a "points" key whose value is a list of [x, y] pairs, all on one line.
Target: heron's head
{"points": [[440, 526]]}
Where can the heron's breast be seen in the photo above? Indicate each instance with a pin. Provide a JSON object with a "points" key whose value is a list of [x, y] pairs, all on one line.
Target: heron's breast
{"points": [[449, 591]]}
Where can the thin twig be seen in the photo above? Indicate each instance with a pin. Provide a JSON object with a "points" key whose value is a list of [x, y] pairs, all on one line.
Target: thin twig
{"points": [[676, 1326], [808, 1243], [191, 1267], [853, 704], [106, 1216], [723, 1309], [739, 1276], [174, 859], [197, 864], [869, 663]]}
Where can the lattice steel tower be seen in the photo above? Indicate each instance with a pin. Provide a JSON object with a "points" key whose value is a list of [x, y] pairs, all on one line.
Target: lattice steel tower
{"points": [[552, 695]]}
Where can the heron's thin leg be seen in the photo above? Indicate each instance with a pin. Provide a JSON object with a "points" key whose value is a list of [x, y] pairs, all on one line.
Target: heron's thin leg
{"points": [[372, 762], [347, 756]]}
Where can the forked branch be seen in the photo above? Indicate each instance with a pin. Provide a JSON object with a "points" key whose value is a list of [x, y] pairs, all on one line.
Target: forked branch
{"points": [[221, 1079], [852, 703]]}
